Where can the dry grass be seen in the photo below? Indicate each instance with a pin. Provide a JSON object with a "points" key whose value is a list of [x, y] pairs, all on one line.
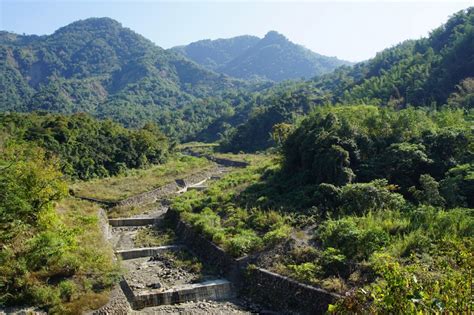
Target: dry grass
{"points": [[196, 145], [155, 236], [131, 210], [243, 157], [135, 182], [94, 254], [86, 302]]}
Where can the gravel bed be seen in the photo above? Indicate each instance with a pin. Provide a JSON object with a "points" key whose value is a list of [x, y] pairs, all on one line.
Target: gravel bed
{"points": [[202, 307], [123, 236], [160, 272]]}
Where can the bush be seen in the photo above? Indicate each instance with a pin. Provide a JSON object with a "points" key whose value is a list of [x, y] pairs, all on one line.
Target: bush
{"points": [[354, 242], [277, 235], [358, 199], [334, 262], [51, 256], [305, 272], [429, 192], [244, 242]]}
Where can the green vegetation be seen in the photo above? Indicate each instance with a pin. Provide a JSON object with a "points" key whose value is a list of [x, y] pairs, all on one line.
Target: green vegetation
{"points": [[218, 215], [52, 255], [367, 200], [416, 72], [134, 182], [88, 148], [214, 54], [368, 190], [99, 67], [430, 72], [379, 182], [273, 57]]}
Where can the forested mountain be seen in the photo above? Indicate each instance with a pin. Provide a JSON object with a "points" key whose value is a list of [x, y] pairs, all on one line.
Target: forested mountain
{"points": [[416, 72], [273, 57], [98, 66], [214, 54], [429, 72]]}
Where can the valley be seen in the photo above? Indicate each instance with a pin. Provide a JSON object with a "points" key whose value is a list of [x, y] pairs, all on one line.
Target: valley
{"points": [[158, 265], [242, 175]]}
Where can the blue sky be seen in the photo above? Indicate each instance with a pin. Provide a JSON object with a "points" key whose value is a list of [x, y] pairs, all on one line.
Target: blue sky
{"points": [[351, 30]]}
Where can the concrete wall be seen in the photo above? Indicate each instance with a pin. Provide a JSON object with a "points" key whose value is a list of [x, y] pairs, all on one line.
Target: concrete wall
{"points": [[262, 286], [165, 190], [216, 290], [104, 224], [207, 251], [155, 194], [132, 221], [283, 293], [145, 251]]}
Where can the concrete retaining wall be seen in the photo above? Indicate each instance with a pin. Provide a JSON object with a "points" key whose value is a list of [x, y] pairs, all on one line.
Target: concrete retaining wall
{"points": [[132, 221], [144, 252], [207, 251], [101, 202], [211, 290], [104, 224], [155, 194], [165, 190], [283, 293], [221, 161], [260, 285]]}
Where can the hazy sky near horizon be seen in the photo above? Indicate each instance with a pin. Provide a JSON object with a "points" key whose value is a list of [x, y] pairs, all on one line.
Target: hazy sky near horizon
{"points": [[351, 30]]}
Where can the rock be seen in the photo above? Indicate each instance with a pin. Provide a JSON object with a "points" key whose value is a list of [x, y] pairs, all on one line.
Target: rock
{"points": [[154, 285]]}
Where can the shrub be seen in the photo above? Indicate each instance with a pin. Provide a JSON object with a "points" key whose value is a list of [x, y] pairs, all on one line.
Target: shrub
{"points": [[277, 235], [355, 242], [429, 192], [334, 262], [305, 272], [361, 198], [242, 243]]}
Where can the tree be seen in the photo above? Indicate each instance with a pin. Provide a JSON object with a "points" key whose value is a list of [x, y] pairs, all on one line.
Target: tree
{"points": [[429, 192]]}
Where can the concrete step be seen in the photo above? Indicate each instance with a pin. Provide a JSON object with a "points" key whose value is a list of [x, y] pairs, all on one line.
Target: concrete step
{"points": [[134, 221], [144, 251], [217, 290]]}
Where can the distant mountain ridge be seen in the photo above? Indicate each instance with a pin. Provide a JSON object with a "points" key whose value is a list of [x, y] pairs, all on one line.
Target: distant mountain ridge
{"points": [[429, 72], [273, 57], [213, 54], [100, 67]]}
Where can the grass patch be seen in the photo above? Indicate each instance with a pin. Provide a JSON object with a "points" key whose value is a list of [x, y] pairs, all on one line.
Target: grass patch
{"points": [[134, 182], [130, 210], [159, 235], [218, 213], [196, 145], [96, 273]]}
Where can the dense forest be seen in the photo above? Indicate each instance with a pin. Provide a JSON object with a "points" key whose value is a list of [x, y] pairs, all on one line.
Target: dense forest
{"points": [[372, 203], [88, 147], [99, 67], [272, 57], [429, 72]]}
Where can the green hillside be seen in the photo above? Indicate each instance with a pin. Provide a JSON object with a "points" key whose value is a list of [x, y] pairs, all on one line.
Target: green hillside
{"points": [[273, 57], [430, 72], [98, 66]]}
